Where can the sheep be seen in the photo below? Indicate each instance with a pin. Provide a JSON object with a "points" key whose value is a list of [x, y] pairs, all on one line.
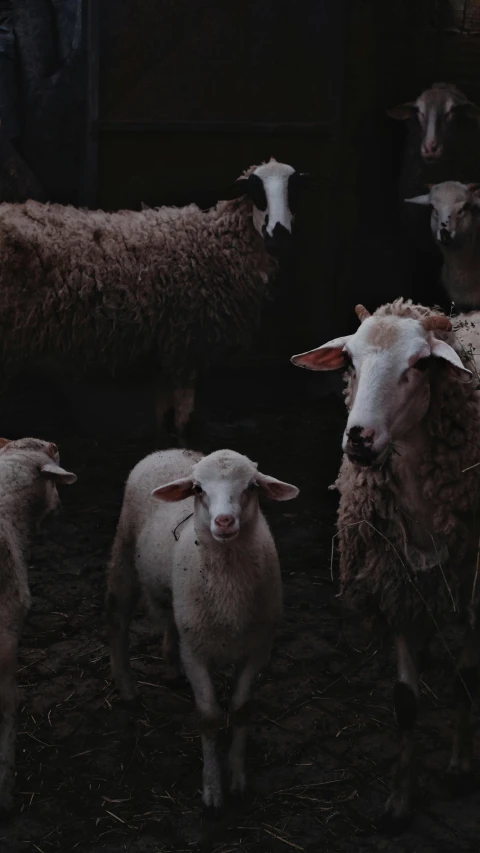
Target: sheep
{"points": [[29, 474], [176, 285], [442, 145], [408, 523], [215, 560], [456, 232]]}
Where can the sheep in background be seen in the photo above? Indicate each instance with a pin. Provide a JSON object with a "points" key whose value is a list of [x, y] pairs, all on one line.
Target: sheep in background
{"points": [[408, 520], [455, 228], [214, 558], [176, 285], [443, 144], [29, 475]]}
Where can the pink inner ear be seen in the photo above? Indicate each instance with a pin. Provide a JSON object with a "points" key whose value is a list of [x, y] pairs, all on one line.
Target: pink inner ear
{"points": [[325, 358], [176, 491]]}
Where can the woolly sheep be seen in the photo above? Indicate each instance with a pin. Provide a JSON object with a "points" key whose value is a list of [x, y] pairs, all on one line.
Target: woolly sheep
{"points": [[409, 490], [29, 475], [214, 558], [442, 144], [175, 285], [455, 229]]}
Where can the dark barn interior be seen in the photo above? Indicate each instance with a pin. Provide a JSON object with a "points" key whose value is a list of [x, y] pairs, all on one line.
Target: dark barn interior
{"points": [[123, 103]]}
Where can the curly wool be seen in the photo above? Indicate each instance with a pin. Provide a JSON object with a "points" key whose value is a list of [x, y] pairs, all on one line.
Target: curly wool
{"points": [[375, 574], [105, 289]]}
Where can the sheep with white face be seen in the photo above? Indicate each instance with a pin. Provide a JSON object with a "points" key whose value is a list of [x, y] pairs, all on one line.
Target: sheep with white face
{"points": [[408, 520], [192, 535], [455, 226]]}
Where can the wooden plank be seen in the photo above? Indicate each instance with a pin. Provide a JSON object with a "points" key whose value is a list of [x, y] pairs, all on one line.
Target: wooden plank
{"points": [[91, 25], [215, 126]]}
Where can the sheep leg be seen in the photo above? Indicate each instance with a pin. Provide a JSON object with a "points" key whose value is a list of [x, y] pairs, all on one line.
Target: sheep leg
{"points": [[239, 713], [170, 646], [122, 597], [210, 720], [466, 687], [8, 712], [398, 808], [183, 406]]}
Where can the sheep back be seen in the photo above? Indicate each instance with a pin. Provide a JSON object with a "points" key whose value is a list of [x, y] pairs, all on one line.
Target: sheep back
{"points": [[104, 289]]}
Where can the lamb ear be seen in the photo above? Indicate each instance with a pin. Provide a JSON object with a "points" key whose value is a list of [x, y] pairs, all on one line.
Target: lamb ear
{"points": [[329, 356], [177, 490], [419, 199], [59, 476], [277, 490], [440, 349], [403, 111], [4, 442]]}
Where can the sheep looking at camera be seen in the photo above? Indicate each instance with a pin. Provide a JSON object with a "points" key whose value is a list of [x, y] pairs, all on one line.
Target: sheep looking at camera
{"points": [[408, 520], [177, 285], [29, 475], [456, 231], [213, 557], [442, 144]]}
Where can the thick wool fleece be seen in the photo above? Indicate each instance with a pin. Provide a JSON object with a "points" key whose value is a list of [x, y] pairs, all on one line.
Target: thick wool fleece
{"points": [[375, 573], [105, 289]]}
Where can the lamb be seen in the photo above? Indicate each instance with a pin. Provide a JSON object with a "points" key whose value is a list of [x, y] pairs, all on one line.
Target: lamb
{"points": [[215, 561], [177, 286], [442, 145], [29, 474], [456, 232], [408, 521]]}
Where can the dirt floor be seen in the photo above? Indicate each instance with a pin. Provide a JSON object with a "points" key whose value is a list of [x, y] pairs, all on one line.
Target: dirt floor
{"points": [[93, 776]]}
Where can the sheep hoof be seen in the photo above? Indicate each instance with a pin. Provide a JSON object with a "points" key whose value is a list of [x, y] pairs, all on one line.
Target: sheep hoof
{"points": [[212, 813], [6, 805], [393, 822]]}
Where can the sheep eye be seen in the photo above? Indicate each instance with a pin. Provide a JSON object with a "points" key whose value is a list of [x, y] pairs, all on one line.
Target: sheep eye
{"points": [[422, 363], [198, 489], [251, 487]]}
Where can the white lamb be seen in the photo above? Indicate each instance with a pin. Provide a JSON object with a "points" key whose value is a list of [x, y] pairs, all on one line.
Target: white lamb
{"points": [[29, 475], [215, 560]]}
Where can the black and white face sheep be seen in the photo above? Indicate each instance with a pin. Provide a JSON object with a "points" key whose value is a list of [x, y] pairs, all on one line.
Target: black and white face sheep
{"points": [[191, 532], [408, 520], [177, 286], [455, 225], [29, 475]]}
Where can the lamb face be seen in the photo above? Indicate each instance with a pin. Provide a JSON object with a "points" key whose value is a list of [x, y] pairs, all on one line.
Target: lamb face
{"points": [[225, 485], [455, 208], [390, 360], [436, 113], [45, 457]]}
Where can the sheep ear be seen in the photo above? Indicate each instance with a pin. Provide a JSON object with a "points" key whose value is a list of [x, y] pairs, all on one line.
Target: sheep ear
{"points": [[235, 190], [53, 472], [440, 349], [468, 109], [277, 490], [177, 490], [4, 442], [329, 356], [403, 111], [418, 199]]}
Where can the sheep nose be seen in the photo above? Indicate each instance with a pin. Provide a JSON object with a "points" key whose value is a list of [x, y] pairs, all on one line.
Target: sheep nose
{"points": [[225, 521], [360, 437]]}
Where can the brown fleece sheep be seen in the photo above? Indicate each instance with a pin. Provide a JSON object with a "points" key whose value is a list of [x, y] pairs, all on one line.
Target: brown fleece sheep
{"points": [[408, 520], [178, 285]]}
